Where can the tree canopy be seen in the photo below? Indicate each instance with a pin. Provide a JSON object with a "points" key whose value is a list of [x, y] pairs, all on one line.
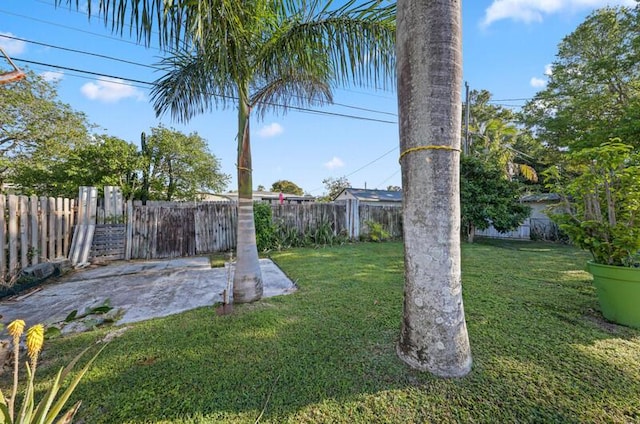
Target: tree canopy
{"points": [[333, 187], [180, 166], [487, 198], [102, 160], [496, 136], [285, 186], [593, 93], [33, 122]]}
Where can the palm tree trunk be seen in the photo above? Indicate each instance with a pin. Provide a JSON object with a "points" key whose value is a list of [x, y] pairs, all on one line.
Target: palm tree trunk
{"points": [[429, 64], [247, 280]]}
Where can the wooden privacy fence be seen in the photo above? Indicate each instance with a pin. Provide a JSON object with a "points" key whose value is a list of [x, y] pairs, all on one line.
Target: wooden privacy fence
{"points": [[33, 230], [171, 229], [306, 217], [183, 229], [39, 229]]}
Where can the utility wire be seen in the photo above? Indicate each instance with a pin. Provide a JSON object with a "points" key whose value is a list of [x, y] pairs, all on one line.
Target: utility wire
{"points": [[297, 108], [99, 74], [103, 56], [364, 166], [158, 68], [388, 178], [373, 161], [6, 12]]}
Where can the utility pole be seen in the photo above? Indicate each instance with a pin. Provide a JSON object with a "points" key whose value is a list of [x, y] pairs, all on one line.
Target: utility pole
{"points": [[465, 149]]}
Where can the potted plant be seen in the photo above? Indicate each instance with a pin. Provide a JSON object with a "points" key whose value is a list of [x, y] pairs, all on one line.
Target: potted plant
{"points": [[600, 188]]}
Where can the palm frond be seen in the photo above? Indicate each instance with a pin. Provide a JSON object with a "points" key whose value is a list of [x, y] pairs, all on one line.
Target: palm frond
{"points": [[358, 38], [172, 21], [294, 89], [191, 85], [527, 171]]}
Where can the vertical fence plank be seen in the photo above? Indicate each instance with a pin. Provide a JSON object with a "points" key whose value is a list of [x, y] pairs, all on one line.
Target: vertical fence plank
{"points": [[51, 208], [59, 251], [44, 225], [13, 234], [34, 228], [23, 206], [66, 225], [129, 230]]}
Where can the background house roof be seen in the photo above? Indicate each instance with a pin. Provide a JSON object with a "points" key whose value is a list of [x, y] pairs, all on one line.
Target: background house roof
{"points": [[271, 195], [373, 195]]}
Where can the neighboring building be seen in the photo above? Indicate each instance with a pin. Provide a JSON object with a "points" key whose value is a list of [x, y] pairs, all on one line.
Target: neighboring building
{"points": [[211, 197], [538, 226], [541, 226], [374, 197], [273, 197]]}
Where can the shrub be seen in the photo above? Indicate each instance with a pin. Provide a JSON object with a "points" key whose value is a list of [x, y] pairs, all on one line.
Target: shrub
{"points": [[265, 230], [377, 231], [600, 189]]}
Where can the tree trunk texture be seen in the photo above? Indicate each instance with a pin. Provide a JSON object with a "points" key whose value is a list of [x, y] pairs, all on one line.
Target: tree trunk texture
{"points": [[429, 64], [247, 279]]}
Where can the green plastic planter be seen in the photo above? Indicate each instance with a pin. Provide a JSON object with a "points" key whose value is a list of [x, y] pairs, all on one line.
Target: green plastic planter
{"points": [[618, 291]]}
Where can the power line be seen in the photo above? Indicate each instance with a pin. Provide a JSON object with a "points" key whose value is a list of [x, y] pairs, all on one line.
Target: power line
{"points": [[158, 68], [365, 166], [373, 161], [103, 56], [99, 74], [70, 28], [510, 100], [388, 178], [297, 108]]}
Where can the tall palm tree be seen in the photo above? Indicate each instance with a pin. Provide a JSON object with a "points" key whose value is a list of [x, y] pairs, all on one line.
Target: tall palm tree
{"points": [[259, 55], [429, 68], [494, 141]]}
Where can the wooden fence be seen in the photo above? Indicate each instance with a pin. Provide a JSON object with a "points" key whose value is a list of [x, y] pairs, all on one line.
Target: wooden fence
{"points": [[165, 230], [39, 229], [33, 230]]}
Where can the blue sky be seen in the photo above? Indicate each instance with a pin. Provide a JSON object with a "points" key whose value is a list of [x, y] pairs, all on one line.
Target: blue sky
{"points": [[508, 46]]}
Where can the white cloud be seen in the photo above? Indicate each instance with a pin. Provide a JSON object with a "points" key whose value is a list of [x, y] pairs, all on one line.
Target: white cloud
{"points": [[52, 76], [110, 90], [534, 10], [537, 82], [548, 70], [334, 163], [10, 46], [271, 130]]}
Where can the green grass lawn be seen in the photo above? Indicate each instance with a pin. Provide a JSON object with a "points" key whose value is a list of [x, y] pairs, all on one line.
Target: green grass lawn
{"points": [[542, 352]]}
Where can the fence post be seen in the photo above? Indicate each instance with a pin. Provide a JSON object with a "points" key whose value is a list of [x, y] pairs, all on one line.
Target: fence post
{"points": [[129, 233], [12, 228], [353, 218], [24, 231]]}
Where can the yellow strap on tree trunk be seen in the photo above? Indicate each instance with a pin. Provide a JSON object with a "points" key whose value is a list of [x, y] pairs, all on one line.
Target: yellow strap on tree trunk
{"points": [[430, 147]]}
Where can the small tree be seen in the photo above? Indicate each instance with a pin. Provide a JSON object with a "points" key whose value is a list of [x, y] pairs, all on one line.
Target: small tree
{"points": [[265, 230], [181, 166], [36, 129], [285, 186], [56, 169], [334, 186], [487, 198], [600, 189]]}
